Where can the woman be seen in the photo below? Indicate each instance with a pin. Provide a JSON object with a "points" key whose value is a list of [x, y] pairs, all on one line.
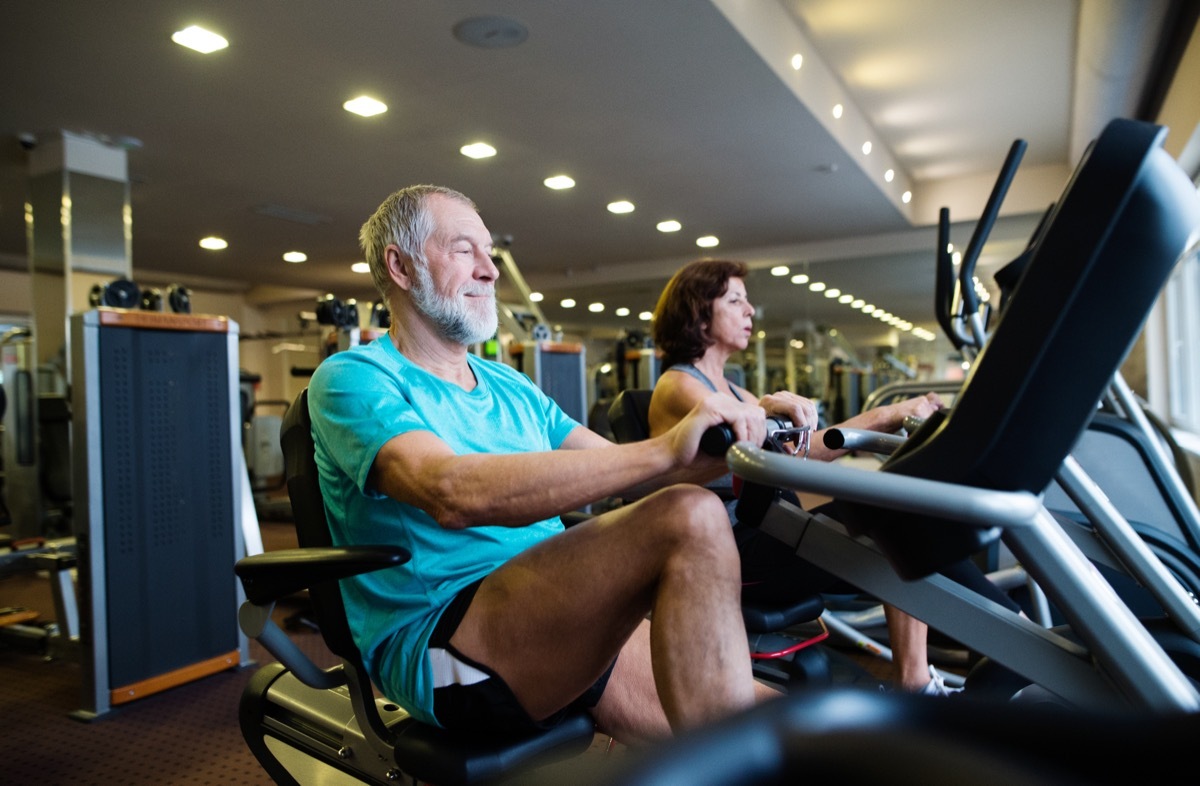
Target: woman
{"points": [[702, 318]]}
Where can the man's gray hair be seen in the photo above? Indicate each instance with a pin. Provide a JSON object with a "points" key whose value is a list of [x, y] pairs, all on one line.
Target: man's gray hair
{"points": [[402, 219]]}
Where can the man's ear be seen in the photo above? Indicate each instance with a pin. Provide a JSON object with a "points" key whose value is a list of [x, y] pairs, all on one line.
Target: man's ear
{"points": [[399, 267]]}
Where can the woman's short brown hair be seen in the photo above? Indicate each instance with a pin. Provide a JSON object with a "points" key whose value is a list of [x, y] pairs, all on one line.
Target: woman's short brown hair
{"points": [[684, 309]]}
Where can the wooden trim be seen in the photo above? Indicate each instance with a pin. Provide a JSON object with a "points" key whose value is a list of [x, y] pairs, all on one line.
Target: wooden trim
{"points": [[159, 320], [566, 348], [17, 616], [636, 354], [172, 679], [562, 347]]}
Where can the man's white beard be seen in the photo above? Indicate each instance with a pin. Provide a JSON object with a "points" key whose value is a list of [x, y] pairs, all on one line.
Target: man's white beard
{"points": [[460, 318]]}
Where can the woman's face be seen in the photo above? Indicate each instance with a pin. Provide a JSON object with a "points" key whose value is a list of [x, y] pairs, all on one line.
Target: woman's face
{"points": [[732, 318]]}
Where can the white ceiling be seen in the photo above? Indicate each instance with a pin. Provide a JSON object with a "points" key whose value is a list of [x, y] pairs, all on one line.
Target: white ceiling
{"points": [[689, 108]]}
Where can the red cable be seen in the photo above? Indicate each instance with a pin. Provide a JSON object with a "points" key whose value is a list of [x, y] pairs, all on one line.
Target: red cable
{"points": [[817, 639]]}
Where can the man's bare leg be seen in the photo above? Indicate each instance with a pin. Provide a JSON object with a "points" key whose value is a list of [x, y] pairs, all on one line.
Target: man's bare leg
{"points": [[630, 710], [551, 619]]}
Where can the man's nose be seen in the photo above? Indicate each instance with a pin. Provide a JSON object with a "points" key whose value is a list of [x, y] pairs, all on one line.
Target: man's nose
{"points": [[486, 266]]}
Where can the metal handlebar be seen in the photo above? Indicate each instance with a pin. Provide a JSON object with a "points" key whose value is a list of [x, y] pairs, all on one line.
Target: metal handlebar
{"points": [[861, 439]]}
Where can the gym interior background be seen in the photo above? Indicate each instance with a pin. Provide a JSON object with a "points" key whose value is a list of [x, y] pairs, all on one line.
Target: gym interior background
{"points": [[222, 193]]}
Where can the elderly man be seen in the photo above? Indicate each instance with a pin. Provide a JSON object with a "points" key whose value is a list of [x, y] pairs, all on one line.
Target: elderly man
{"points": [[503, 619]]}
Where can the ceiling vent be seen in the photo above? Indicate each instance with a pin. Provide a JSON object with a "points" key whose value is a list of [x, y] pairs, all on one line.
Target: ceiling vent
{"points": [[491, 32]]}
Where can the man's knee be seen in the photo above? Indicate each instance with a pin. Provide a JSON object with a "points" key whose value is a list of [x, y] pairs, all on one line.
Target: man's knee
{"points": [[690, 513]]}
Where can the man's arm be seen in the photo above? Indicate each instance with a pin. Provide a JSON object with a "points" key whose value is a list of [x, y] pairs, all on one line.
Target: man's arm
{"points": [[698, 472], [420, 469]]}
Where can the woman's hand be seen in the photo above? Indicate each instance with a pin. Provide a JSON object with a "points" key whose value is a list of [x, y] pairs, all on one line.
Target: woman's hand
{"points": [[789, 406], [920, 407]]}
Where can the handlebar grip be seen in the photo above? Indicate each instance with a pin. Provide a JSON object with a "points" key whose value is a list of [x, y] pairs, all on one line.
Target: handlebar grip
{"points": [[716, 440]]}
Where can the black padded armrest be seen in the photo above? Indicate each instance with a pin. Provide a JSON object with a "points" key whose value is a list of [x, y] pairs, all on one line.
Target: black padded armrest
{"points": [[273, 575]]}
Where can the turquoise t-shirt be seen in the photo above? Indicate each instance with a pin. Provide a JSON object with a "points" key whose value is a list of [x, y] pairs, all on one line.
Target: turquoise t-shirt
{"points": [[358, 400]]}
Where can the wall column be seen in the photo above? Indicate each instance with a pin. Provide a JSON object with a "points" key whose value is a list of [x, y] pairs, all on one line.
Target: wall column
{"points": [[77, 219]]}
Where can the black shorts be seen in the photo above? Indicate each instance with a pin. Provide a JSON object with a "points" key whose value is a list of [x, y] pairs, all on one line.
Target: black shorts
{"points": [[488, 705]]}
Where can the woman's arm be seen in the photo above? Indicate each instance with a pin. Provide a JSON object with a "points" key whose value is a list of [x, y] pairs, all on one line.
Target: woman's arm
{"points": [[888, 419], [675, 394]]}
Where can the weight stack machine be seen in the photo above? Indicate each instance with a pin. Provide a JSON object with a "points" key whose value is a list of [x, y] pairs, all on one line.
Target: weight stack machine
{"points": [[559, 369], [155, 439]]}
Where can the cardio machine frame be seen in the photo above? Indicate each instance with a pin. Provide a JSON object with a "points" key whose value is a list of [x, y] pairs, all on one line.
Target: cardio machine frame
{"points": [[974, 474]]}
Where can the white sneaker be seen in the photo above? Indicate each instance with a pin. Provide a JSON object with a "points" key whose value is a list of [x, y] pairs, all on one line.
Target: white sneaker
{"points": [[936, 686]]}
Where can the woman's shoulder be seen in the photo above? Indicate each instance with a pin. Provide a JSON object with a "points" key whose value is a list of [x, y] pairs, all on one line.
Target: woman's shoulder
{"points": [[687, 371]]}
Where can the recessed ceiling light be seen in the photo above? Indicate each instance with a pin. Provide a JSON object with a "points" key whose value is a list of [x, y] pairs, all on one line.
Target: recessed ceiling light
{"points": [[844, 299], [832, 293], [866, 148], [595, 308], [761, 334], [780, 270], [889, 175], [669, 226], [620, 206], [199, 39], [797, 61], [567, 302], [906, 197], [646, 316], [559, 182], [622, 312], [478, 150], [213, 243], [858, 303], [708, 241], [536, 297], [365, 106], [360, 267], [816, 286], [295, 256], [837, 111], [800, 278]]}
